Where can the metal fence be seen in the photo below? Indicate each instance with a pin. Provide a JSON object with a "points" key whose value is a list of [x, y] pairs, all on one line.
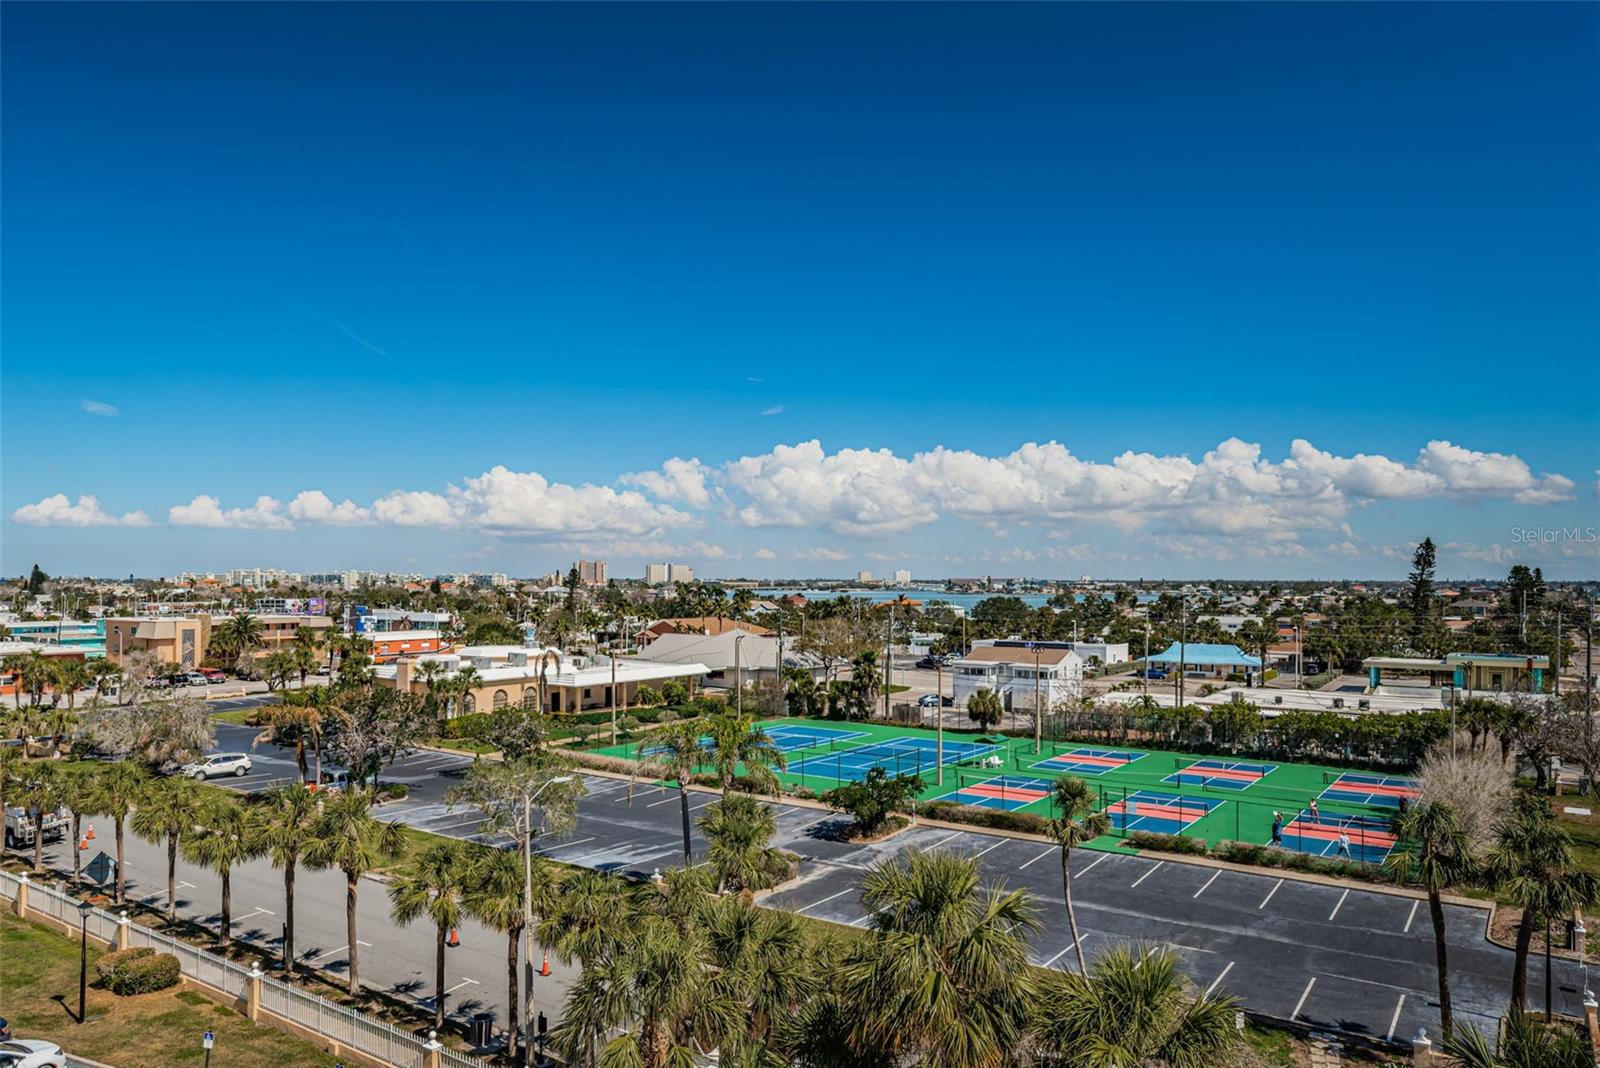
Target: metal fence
{"points": [[348, 1027]]}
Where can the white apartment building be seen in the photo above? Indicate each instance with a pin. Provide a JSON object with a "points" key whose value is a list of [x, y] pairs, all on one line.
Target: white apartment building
{"points": [[663, 574], [1016, 670], [902, 577], [1103, 653]]}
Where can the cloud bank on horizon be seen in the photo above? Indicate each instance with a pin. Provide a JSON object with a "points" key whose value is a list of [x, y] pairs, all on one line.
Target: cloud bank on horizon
{"points": [[1232, 503]]}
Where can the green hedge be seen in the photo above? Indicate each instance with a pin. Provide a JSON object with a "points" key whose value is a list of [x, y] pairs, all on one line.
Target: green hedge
{"points": [[110, 962], [144, 974], [1261, 856], [951, 812]]}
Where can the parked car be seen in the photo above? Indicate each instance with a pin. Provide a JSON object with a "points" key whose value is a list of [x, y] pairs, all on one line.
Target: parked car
{"points": [[929, 700], [195, 678], [217, 764], [1153, 673], [213, 675], [31, 1053], [928, 662], [20, 825], [5, 1029], [332, 781]]}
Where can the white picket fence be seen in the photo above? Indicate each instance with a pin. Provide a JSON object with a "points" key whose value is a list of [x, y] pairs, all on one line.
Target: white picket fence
{"points": [[351, 1029]]}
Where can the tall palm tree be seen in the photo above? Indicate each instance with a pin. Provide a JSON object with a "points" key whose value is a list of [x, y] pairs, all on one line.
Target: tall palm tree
{"points": [[118, 788], [307, 647], [767, 959], [240, 633], [70, 676], [58, 723], [465, 681], [44, 784], [737, 739], [349, 837], [434, 885], [1132, 1009], [230, 833], [738, 829], [13, 664], [1532, 864], [944, 980], [588, 917], [682, 752], [169, 808], [1440, 859], [79, 792], [298, 715], [1074, 823], [494, 898], [291, 813]]}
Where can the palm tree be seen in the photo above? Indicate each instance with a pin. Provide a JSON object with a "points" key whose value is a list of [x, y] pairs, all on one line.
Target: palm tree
{"points": [[1132, 1009], [291, 813], [1522, 1044], [239, 633], [465, 681], [58, 723], [1532, 864], [37, 673], [738, 829], [307, 648], [590, 915], [44, 785], [1440, 859], [1075, 822], [736, 739], [768, 959], [79, 792], [70, 677], [118, 788], [682, 752], [944, 980], [169, 808], [13, 664], [230, 833], [299, 715], [349, 837], [494, 898], [434, 885]]}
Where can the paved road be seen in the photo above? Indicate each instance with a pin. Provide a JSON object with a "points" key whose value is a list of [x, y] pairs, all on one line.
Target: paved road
{"points": [[1350, 960]]}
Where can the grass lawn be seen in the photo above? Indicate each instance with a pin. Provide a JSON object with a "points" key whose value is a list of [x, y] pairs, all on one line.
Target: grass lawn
{"points": [[146, 1031], [237, 716]]}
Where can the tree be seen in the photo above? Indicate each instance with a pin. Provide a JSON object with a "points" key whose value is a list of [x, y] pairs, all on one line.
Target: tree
{"points": [[229, 833], [307, 647], [295, 720], [681, 750], [80, 792], [737, 739], [169, 808], [1419, 584], [155, 733], [70, 676], [985, 709], [434, 886], [1522, 1044], [349, 837], [739, 829], [495, 898], [118, 788], [1132, 1009], [1440, 859], [44, 784], [291, 814], [873, 799], [1074, 823], [278, 666], [943, 980], [239, 634]]}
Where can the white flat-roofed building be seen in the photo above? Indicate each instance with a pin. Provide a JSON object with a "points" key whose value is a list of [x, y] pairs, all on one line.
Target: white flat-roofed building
{"points": [[1016, 670], [1102, 653], [509, 675]]}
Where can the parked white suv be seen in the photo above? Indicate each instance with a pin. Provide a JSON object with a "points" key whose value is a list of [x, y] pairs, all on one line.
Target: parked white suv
{"points": [[217, 764]]}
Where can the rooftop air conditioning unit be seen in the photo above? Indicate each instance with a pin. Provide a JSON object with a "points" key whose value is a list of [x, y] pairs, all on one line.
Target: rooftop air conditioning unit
{"points": [[1277, 698], [1364, 704], [1338, 702]]}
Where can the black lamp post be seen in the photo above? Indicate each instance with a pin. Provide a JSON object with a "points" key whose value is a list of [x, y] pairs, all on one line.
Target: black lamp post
{"points": [[84, 908]]}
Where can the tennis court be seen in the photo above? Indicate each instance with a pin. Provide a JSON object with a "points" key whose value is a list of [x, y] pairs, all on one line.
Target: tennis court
{"points": [[788, 739], [1006, 792], [1385, 790], [1160, 813], [1087, 760], [1371, 837], [1221, 774], [902, 756]]}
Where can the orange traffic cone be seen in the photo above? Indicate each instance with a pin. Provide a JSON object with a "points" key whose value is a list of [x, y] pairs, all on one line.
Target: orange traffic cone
{"points": [[90, 835], [83, 843], [454, 939], [544, 969]]}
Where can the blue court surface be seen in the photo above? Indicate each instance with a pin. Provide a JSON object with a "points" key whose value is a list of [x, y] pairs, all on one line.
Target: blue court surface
{"points": [[1370, 837], [1159, 813], [1086, 760], [1007, 792], [1222, 774], [787, 738], [903, 756], [1385, 790]]}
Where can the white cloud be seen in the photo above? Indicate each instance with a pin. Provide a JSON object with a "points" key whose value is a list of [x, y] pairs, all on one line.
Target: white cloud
{"points": [[207, 511], [94, 407], [776, 409], [678, 480], [765, 554], [525, 502], [820, 553], [314, 506], [414, 508], [1467, 471], [854, 491], [57, 510]]}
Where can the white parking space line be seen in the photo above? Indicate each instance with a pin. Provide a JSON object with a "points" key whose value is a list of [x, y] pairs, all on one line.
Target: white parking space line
{"points": [[1146, 875], [1058, 956], [185, 886], [991, 849], [1268, 898], [1041, 856], [1303, 995], [813, 823], [945, 839], [824, 901], [1100, 860], [564, 845], [1339, 905], [663, 801], [703, 804], [1407, 928], [464, 982], [1209, 881], [1218, 980], [1394, 1021]]}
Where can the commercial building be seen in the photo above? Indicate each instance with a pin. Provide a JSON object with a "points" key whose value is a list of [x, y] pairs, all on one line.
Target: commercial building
{"points": [[591, 572], [393, 644], [185, 640], [10, 681], [902, 577], [1493, 672], [741, 655], [1101, 654], [665, 574], [370, 621], [1206, 659], [510, 675], [702, 625], [1016, 670]]}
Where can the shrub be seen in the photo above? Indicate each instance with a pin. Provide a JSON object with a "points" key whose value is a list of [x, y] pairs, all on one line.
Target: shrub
{"points": [[622, 765], [874, 798], [474, 725], [395, 791], [1169, 843], [674, 692], [1025, 822], [143, 975], [665, 716], [109, 962]]}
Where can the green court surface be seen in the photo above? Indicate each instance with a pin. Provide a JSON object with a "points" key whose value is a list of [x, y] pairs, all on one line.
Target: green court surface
{"points": [[1215, 797]]}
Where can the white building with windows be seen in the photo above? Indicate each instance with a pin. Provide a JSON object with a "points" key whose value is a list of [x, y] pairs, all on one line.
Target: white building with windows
{"points": [[1017, 670]]}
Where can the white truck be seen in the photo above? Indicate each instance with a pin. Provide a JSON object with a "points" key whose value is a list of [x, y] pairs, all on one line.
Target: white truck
{"points": [[20, 826]]}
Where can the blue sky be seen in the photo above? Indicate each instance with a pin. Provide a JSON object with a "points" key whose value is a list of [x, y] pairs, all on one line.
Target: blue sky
{"points": [[482, 271]]}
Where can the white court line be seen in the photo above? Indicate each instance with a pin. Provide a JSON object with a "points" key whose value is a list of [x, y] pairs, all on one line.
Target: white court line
{"points": [[997, 845], [1146, 875], [1303, 995], [824, 901], [1407, 928], [1218, 980], [1394, 1021], [1268, 898], [1058, 956], [1339, 905], [1092, 863], [1041, 856], [813, 823], [1209, 881]]}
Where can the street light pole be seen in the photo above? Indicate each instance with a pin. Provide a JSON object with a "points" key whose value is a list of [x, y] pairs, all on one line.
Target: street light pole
{"points": [[527, 913], [1038, 715], [84, 908], [738, 678]]}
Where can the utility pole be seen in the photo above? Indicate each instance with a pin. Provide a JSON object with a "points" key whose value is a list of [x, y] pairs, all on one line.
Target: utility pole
{"points": [[1144, 675], [888, 662], [1038, 713], [1183, 641], [938, 722], [1556, 679]]}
